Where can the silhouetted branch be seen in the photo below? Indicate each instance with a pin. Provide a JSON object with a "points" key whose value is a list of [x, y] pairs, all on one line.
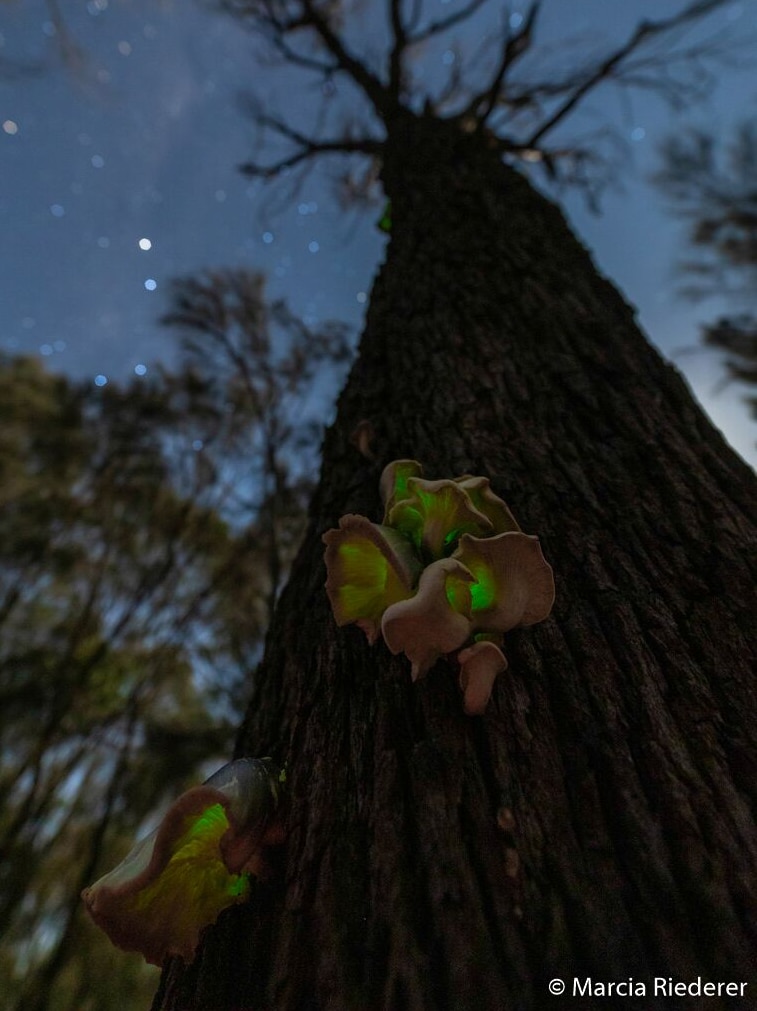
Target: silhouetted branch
{"points": [[645, 31], [373, 88], [307, 153], [399, 35], [444, 24], [513, 47], [518, 114]]}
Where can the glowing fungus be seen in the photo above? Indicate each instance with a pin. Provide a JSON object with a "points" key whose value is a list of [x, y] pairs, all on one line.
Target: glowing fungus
{"points": [[196, 863], [369, 568], [435, 514], [393, 482], [449, 569], [513, 583], [433, 622]]}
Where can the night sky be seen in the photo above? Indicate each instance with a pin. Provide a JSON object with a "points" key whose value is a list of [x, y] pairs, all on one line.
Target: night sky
{"points": [[120, 140]]}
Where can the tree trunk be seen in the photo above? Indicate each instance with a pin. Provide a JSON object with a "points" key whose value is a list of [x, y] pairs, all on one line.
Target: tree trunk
{"points": [[598, 820]]}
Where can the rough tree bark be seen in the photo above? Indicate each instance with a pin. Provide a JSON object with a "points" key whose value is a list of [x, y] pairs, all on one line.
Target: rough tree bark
{"points": [[599, 819]]}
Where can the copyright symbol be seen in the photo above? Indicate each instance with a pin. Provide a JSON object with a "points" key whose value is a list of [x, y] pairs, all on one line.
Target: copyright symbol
{"points": [[556, 986]]}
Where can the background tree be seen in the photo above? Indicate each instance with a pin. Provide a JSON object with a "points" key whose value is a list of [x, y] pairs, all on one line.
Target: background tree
{"points": [[144, 530], [250, 366], [599, 820], [715, 192]]}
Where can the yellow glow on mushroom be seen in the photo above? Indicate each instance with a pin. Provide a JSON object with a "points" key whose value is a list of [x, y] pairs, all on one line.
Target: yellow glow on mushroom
{"points": [[176, 881], [369, 568], [435, 514], [393, 482], [195, 882]]}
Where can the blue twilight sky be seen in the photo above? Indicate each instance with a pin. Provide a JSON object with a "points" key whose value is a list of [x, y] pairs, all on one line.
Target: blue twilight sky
{"points": [[118, 171]]}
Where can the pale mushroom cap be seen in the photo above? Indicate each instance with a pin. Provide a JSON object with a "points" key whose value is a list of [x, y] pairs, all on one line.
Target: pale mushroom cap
{"points": [[513, 583], [479, 666], [486, 501], [433, 622], [369, 567], [182, 888], [175, 882], [393, 482], [435, 514]]}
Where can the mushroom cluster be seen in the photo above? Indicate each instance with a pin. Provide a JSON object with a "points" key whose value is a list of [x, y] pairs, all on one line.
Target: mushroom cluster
{"points": [[447, 569]]}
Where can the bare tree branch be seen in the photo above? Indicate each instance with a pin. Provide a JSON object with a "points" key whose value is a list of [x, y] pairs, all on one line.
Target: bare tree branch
{"points": [[399, 44], [437, 27], [256, 170], [514, 46], [517, 114], [290, 55], [642, 33], [373, 88]]}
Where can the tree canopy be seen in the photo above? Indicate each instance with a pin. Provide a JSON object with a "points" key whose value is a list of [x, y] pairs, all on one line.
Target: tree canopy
{"points": [[509, 90]]}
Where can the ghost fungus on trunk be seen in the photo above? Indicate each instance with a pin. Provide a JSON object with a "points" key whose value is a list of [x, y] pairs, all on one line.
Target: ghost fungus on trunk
{"points": [[486, 584], [393, 482], [433, 622], [478, 490], [435, 514], [196, 863], [369, 568], [513, 582]]}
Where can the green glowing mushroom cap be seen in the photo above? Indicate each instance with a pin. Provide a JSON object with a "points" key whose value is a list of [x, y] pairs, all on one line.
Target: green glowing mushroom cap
{"points": [[433, 622], [435, 514], [369, 568], [513, 583], [393, 482], [196, 863]]}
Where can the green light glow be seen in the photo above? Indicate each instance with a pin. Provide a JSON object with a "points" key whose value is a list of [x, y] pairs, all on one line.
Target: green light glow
{"points": [[451, 539], [194, 886], [427, 520], [409, 522], [370, 584], [484, 591], [458, 593], [384, 223], [209, 823], [238, 885], [434, 520]]}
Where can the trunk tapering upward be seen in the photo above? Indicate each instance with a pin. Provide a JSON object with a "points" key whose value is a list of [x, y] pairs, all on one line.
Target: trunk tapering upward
{"points": [[599, 820]]}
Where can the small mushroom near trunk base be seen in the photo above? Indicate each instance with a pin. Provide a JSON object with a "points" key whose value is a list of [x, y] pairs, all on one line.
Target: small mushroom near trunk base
{"points": [[479, 666]]}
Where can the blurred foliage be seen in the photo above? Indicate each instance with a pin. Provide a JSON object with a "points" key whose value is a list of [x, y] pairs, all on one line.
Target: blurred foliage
{"points": [[713, 187], [144, 533]]}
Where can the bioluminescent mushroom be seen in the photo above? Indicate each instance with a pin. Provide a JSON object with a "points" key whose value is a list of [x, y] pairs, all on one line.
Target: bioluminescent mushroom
{"points": [[479, 574], [513, 583], [369, 568], [196, 863], [434, 516], [393, 482], [478, 490], [433, 622]]}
